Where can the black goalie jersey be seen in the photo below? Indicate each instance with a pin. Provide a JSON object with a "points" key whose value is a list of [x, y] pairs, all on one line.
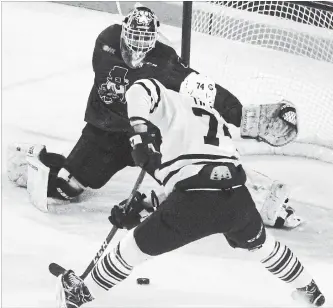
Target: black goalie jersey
{"points": [[107, 109]]}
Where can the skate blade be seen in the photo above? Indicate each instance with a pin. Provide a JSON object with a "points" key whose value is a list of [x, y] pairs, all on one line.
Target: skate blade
{"points": [[319, 301], [302, 300]]}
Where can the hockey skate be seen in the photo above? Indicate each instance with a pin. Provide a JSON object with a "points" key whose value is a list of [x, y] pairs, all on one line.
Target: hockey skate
{"points": [[310, 294], [71, 291]]}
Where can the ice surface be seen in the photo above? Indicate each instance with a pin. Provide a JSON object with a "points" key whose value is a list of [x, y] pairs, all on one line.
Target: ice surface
{"points": [[46, 80]]}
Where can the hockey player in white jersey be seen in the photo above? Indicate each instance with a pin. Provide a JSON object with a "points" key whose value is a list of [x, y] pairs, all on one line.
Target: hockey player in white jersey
{"points": [[271, 196], [204, 180]]}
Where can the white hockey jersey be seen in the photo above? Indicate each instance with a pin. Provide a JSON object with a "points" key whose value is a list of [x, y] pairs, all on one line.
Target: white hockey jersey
{"points": [[193, 134]]}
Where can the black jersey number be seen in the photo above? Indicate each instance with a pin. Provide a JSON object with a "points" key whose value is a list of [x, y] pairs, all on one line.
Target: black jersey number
{"points": [[211, 138]]}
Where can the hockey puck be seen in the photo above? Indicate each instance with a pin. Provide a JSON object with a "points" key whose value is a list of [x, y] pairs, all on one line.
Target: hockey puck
{"points": [[143, 281]]}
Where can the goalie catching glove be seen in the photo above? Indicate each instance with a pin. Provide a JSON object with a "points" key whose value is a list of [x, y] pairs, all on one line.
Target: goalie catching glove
{"points": [[137, 210], [275, 124]]}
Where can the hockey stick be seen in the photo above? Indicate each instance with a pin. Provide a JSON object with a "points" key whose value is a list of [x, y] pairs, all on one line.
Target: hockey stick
{"points": [[56, 270]]}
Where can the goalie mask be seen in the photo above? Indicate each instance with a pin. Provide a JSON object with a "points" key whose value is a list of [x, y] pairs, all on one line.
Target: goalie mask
{"points": [[138, 35], [200, 87]]}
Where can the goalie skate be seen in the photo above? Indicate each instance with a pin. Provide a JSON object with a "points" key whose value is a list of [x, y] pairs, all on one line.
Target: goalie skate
{"points": [[309, 295], [71, 291]]}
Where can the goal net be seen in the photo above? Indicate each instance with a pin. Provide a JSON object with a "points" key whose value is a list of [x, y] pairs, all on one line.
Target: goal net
{"points": [[266, 51]]}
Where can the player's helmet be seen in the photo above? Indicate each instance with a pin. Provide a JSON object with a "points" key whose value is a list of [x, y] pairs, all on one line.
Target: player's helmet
{"points": [[138, 36], [200, 87]]}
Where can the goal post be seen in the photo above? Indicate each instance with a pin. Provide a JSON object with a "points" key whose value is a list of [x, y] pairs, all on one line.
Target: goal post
{"points": [[266, 51], [186, 31]]}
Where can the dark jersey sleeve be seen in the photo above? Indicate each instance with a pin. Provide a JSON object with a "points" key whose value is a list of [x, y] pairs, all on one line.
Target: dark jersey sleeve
{"points": [[226, 103], [97, 50], [106, 44], [171, 69]]}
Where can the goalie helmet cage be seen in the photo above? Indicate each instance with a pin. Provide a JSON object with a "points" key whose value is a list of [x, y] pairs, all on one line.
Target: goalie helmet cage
{"points": [[264, 52]]}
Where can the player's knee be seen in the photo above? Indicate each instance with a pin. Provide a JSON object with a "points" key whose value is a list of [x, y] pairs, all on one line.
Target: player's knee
{"points": [[258, 240], [64, 186], [130, 251], [266, 248], [252, 237]]}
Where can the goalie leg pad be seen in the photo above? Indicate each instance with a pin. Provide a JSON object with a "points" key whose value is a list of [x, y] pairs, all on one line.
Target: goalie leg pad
{"points": [[33, 167], [17, 164], [270, 198], [37, 183], [272, 207], [43, 168]]}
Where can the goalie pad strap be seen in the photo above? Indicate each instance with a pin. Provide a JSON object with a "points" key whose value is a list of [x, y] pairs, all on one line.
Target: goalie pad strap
{"points": [[17, 164]]}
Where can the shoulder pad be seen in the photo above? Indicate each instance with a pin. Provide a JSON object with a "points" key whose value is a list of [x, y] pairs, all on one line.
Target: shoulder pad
{"points": [[111, 33], [163, 51]]}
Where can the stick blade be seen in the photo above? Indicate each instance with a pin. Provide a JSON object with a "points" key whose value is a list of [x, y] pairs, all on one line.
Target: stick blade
{"points": [[56, 270]]}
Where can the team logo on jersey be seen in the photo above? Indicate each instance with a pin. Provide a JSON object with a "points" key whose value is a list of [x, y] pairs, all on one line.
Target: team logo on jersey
{"points": [[109, 49], [114, 89]]}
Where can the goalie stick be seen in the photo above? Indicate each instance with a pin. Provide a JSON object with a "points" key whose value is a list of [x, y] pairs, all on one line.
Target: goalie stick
{"points": [[56, 270]]}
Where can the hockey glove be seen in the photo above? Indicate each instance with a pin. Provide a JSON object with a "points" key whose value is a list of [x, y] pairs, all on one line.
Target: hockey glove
{"points": [[275, 124], [144, 153], [137, 210]]}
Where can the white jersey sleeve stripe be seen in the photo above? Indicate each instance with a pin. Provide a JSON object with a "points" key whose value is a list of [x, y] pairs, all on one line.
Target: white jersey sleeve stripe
{"points": [[153, 90], [158, 92], [145, 87]]}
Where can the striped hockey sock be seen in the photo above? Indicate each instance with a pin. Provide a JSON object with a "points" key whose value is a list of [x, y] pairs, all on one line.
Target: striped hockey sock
{"points": [[111, 270], [283, 263]]}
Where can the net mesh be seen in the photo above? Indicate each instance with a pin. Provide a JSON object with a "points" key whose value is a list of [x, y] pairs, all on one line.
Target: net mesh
{"points": [[268, 51], [222, 19]]}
